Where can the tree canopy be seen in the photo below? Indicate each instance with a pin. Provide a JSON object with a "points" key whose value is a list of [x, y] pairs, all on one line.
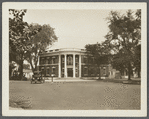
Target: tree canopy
{"points": [[124, 36], [27, 40], [122, 47], [100, 53], [39, 43]]}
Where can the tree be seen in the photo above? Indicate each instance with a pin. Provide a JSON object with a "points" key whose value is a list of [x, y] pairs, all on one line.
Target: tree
{"points": [[124, 36], [100, 53], [16, 30], [39, 43], [18, 37], [137, 62]]}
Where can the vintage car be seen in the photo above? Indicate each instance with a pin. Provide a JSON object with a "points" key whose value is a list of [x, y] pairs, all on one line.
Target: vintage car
{"points": [[37, 77]]}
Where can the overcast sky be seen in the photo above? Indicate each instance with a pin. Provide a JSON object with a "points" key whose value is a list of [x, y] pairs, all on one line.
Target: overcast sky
{"points": [[74, 28]]}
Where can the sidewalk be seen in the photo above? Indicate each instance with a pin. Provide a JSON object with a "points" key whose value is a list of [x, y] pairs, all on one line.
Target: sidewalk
{"points": [[68, 80]]}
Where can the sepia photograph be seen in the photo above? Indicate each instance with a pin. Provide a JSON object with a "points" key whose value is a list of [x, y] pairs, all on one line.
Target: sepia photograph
{"points": [[74, 59]]}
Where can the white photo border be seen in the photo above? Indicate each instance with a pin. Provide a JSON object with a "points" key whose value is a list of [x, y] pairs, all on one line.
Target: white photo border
{"points": [[77, 5]]}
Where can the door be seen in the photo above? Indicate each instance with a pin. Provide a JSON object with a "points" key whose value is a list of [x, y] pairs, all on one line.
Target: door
{"points": [[70, 72]]}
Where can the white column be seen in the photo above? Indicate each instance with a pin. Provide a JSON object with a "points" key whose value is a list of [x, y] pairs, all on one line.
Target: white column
{"points": [[65, 66], [59, 66], [74, 69], [79, 66]]}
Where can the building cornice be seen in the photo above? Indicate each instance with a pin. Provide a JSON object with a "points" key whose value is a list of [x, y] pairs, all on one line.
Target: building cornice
{"points": [[63, 51]]}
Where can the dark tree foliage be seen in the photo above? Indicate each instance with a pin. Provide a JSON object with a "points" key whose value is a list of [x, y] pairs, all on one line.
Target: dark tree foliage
{"points": [[137, 61], [16, 30], [39, 42], [124, 38], [18, 37], [26, 41], [99, 52]]}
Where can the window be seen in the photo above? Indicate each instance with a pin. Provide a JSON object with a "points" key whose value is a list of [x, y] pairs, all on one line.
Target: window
{"points": [[69, 60], [77, 59], [47, 60], [53, 60], [56, 49], [42, 70], [48, 71], [85, 70], [82, 59], [42, 60], [63, 60], [63, 71], [53, 70], [76, 64], [85, 59], [76, 71]]}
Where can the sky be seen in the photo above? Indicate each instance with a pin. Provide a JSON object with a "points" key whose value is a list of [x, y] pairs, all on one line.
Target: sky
{"points": [[74, 28]]}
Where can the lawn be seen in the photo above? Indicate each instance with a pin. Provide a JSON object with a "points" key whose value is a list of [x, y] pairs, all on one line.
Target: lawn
{"points": [[94, 95]]}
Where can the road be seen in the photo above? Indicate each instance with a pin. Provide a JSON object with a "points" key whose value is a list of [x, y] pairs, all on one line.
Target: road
{"points": [[94, 95]]}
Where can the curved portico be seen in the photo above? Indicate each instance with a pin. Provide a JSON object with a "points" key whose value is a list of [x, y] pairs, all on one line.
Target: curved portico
{"points": [[62, 62]]}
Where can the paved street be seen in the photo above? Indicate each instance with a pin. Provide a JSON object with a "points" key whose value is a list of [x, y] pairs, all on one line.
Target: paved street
{"points": [[86, 95]]}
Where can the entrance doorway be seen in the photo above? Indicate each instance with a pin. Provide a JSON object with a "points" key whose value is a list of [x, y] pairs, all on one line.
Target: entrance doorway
{"points": [[70, 72]]}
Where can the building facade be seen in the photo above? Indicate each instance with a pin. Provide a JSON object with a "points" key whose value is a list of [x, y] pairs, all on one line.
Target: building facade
{"points": [[69, 63]]}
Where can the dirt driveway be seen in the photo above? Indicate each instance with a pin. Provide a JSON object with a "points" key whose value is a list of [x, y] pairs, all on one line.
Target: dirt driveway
{"points": [[74, 95]]}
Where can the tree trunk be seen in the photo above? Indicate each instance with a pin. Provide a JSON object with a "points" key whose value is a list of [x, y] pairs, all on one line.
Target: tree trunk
{"points": [[139, 72], [36, 61], [99, 72], [21, 68], [32, 65], [129, 71], [30, 61], [10, 71]]}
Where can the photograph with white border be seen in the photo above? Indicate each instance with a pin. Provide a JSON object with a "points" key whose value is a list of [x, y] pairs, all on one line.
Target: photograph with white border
{"points": [[74, 59]]}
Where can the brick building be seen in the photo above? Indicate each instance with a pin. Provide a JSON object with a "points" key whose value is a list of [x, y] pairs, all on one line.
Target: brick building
{"points": [[69, 63]]}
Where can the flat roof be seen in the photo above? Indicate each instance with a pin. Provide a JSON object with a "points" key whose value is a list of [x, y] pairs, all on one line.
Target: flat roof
{"points": [[64, 50]]}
